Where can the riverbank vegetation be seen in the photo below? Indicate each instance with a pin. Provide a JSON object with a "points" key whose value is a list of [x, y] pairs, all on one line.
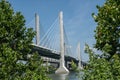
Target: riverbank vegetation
{"points": [[15, 46], [105, 66], [74, 67]]}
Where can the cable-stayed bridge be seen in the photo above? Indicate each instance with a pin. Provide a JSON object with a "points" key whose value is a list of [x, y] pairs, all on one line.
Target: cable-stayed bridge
{"points": [[54, 44]]}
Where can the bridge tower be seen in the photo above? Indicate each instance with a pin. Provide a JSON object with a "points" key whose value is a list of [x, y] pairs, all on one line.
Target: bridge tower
{"points": [[62, 69], [37, 28], [79, 56]]}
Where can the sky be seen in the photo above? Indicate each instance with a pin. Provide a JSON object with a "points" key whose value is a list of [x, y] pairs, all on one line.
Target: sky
{"points": [[78, 21]]}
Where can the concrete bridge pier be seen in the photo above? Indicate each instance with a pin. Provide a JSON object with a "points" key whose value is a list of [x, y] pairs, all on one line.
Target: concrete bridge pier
{"points": [[62, 69]]}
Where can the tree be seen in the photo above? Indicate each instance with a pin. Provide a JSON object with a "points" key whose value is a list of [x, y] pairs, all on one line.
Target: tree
{"points": [[73, 66], [15, 45], [105, 66], [108, 27], [99, 68]]}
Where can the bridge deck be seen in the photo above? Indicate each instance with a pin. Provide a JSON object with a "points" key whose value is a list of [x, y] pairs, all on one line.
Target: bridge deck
{"points": [[50, 54]]}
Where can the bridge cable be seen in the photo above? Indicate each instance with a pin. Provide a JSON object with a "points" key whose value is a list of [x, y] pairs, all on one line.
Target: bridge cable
{"points": [[45, 35]]}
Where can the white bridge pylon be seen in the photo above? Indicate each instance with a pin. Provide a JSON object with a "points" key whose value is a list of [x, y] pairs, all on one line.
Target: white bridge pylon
{"points": [[62, 69], [79, 57]]}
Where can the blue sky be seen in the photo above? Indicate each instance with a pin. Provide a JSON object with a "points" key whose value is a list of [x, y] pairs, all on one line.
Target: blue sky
{"points": [[78, 21]]}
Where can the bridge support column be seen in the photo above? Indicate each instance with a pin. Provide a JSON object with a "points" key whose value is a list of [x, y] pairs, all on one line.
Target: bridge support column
{"points": [[62, 69], [37, 29], [79, 57]]}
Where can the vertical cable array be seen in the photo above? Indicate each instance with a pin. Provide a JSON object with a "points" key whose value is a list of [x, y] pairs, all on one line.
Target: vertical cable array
{"points": [[68, 51], [31, 24], [50, 39]]}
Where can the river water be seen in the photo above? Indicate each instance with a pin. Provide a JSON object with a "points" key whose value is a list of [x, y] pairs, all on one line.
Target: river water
{"points": [[70, 76]]}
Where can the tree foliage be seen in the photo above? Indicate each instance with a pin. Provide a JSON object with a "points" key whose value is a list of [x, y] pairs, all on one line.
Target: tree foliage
{"points": [[15, 45], [105, 66], [99, 68], [108, 27], [73, 66]]}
